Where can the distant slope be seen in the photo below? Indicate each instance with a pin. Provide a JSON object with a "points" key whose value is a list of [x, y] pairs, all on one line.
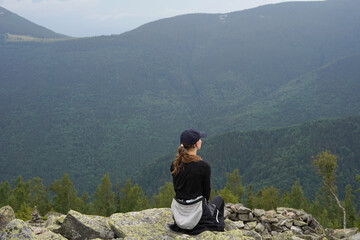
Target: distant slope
{"points": [[114, 103], [329, 91], [10, 23], [273, 157]]}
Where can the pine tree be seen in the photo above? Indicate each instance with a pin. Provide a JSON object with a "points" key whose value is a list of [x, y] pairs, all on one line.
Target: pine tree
{"points": [[117, 197], [86, 206], [134, 198], [65, 195], [268, 198], [250, 198], [165, 196], [350, 206], [5, 191], [297, 198], [104, 198], [39, 196], [20, 194], [285, 200], [234, 184]]}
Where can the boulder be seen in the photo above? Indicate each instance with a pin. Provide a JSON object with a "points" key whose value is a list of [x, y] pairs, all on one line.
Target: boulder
{"points": [[80, 226], [53, 223], [6, 216], [143, 225], [259, 212], [18, 229], [344, 233]]}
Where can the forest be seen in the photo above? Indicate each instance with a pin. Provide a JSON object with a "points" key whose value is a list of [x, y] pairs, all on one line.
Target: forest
{"points": [[272, 157], [61, 196], [90, 106], [86, 123]]}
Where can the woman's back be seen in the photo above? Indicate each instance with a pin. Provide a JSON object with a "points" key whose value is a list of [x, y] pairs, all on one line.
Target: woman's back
{"points": [[192, 180]]}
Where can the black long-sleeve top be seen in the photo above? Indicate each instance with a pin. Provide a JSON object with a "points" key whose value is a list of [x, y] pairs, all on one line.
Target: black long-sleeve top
{"points": [[193, 180]]}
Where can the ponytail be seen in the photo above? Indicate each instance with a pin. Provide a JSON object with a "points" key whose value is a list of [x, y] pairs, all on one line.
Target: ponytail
{"points": [[183, 157]]}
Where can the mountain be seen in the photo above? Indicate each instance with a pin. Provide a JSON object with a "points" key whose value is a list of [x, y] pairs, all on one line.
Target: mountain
{"points": [[328, 91], [11, 23], [114, 103], [273, 157]]}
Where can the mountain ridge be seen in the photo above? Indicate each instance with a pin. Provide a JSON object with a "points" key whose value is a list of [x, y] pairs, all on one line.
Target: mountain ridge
{"points": [[272, 157], [112, 103], [11, 23]]}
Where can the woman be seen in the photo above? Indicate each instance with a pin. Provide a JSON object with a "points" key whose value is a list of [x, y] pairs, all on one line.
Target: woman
{"points": [[192, 212]]}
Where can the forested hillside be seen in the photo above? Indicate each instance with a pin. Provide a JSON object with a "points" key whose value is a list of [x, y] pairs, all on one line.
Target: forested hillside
{"points": [[273, 157], [11, 23], [114, 103]]}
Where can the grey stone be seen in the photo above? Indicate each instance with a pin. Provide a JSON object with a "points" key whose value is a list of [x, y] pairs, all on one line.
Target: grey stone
{"points": [[53, 223], [260, 228], [259, 212], [230, 225], [344, 233], [239, 224], [18, 229], [6, 216], [244, 210], [250, 225], [252, 234], [296, 230], [299, 223], [245, 217], [81, 226]]}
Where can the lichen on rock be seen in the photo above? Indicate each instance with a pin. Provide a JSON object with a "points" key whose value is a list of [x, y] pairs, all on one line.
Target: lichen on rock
{"points": [[6, 215], [17, 229]]}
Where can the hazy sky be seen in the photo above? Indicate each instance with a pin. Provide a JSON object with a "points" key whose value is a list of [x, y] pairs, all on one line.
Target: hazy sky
{"points": [[80, 18]]}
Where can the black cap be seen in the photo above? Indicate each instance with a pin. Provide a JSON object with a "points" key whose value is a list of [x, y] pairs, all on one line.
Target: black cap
{"points": [[191, 136]]}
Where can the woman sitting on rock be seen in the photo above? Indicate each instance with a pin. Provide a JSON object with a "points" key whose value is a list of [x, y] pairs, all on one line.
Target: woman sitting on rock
{"points": [[192, 212]]}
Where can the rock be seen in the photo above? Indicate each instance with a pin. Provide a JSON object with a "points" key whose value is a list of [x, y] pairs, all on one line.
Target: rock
{"points": [[151, 223], [18, 229], [233, 216], [296, 230], [250, 225], [35, 217], [355, 237], [252, 234], [245, 217], [6, 216], [231, 235], [80, 226], [344, 233], [244, 210], [226, 213], [260, 228], [47, 235], [286, 222], [299, 223], [230, 225], [270, 214], [269, 219], [314, 224], [239, 224], [259, 212], [53, 223]]}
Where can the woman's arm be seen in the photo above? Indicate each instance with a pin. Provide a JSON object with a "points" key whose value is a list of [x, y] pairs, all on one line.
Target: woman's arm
{"points": [[207, 181]]}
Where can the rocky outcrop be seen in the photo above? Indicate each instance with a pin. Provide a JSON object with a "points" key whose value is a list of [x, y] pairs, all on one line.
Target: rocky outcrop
{"points": [[240, 223], [18, 229], [273, 222], [6, 215]]}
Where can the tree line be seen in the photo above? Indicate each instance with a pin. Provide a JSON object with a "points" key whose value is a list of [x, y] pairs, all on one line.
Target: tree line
{"points": [[61, 196]]}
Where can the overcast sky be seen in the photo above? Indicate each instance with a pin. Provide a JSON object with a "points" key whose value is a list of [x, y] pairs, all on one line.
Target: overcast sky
{"points": [[81, 18]]}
